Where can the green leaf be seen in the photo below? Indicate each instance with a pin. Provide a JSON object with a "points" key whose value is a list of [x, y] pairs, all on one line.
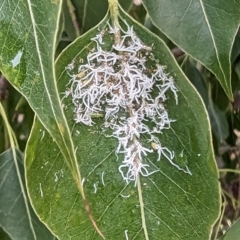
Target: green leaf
{"points": [[217, 117], [169, 204], [16, 215], [27, 46], [204, 29], [233, 232]]}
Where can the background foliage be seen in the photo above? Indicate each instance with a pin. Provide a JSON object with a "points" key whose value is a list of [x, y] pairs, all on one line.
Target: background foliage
{"points": [[202, 36]]}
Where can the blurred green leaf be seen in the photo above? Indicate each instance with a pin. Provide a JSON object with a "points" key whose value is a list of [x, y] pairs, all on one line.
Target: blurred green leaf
{"points": [[149, 25], [138, 12], [85, 14], [236, 84], [196, 78], [71, 25], [218, 120], [176, 205], [20, 116], [4, 235], [16, 215], [22, 122], [235, 49], [126, 4], [233, 232], [204, 29], [217, 117]]}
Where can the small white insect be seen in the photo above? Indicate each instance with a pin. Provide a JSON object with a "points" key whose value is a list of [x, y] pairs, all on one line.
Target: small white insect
{"points": [[181, 154], [40, 188], [43, 134], [103, 183], [83, 180], [75, 151], [126, 234], [95, 185], [56, 176], [125, 196]]}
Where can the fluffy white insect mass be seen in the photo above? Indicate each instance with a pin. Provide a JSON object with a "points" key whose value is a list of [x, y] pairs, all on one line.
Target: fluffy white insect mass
{"points": [[118, 85]]}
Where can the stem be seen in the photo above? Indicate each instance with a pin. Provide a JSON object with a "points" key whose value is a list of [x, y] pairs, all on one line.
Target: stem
{"points": [[238, 197], [233, 200], [224, 204], [229, 170], [84, 16], [113, 8], [72, 12]]}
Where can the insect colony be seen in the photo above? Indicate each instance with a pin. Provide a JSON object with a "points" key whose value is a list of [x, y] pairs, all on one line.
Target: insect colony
{"points": [[126, 86]]}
